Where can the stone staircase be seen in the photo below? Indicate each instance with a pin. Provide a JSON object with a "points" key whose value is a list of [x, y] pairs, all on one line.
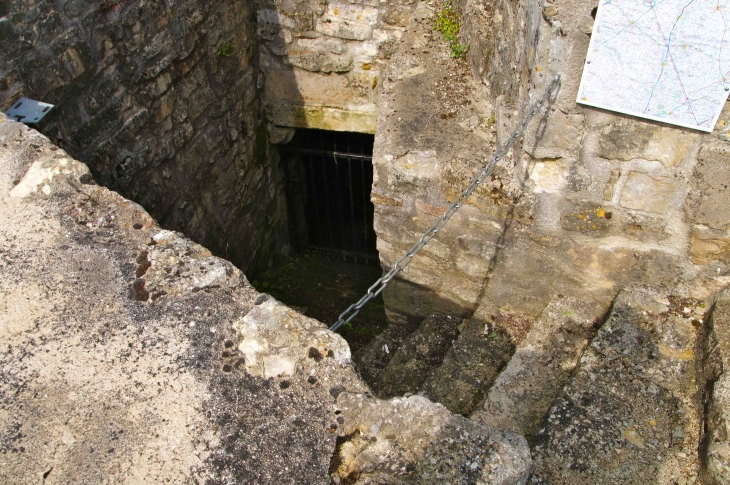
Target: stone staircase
{"points": [[603, 395]]}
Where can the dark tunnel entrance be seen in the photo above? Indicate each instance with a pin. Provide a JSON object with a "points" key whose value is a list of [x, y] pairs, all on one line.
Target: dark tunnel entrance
{"points": [[329, 177], [334, 260]]}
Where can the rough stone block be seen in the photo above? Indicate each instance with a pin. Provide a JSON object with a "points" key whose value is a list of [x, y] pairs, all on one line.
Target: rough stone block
{"points": [[471, 365], [628, 415], [276, 338], [707, 202], [556, 137], [414, 440], [646, 193], [420, 353], [549, 176], [627, 139], [323, 118], [344, 30], [707, 244], [588, 219], [540, 367]]}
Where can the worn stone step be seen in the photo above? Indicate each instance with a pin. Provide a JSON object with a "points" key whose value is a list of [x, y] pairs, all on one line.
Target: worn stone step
{"points": [[527, 387], [471, 365], [374, 357], [420, 353], [629, 414]]}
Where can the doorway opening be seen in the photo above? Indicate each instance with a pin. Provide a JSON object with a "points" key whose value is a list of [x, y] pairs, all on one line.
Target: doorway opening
{"points": [[329, 176]]}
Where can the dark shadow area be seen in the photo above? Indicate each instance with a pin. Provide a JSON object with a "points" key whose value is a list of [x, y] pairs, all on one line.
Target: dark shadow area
{"points": [[321, 286], [329, 178]]}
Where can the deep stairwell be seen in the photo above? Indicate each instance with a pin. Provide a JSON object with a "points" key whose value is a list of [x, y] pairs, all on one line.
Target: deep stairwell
{"points": [[603, 395]]}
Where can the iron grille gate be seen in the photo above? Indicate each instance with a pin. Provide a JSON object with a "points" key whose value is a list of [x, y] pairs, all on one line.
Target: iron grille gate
{"points": [[329, 179]]}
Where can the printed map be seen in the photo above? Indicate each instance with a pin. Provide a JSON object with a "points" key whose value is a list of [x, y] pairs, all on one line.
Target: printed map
{"points": [[666, 60]]}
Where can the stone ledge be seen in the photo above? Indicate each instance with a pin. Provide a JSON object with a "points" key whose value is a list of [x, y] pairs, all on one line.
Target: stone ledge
{"points": [[323, 118]]}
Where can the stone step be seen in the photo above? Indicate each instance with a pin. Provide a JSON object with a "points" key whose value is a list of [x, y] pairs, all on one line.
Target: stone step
{"points": [[420, 353], [470, 366], [527, 387], [374, 357], [629, 414]]}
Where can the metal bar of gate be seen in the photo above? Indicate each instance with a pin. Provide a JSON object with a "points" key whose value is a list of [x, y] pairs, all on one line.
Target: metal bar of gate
{"points": [[315, 200], [329, 153], [339, 203], [352, 203], [327, 205], [364, 203]]}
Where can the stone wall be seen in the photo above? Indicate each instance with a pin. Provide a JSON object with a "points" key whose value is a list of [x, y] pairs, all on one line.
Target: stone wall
{"points": [[590, 202], [160, 100], [323, 60]]}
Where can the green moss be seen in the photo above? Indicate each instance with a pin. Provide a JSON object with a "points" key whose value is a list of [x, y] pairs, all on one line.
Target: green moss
{"points": [[449, 24]]}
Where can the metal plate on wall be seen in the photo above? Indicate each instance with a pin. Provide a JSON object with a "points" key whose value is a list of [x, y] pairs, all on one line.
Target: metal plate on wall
{"points": [[29, 110]]}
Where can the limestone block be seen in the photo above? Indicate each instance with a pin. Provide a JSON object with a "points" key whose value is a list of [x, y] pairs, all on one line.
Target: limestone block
{"points": [[540, 366], [578, 178], [627, 139], [707, 202], [320, 61], [275, 338], [73, 63], [335, 62], [41, 174], [412, 439], [374, 357], [588, 219], [298, 86], [345, 21], [397, 15], [707, 244], [323, 118], [347, 12], [549, 175], [470, 366], [163, 107], [417, 167], [420, 353], [554, 137], [646, 193], [320, 44], [474, 266], [628, 413]]}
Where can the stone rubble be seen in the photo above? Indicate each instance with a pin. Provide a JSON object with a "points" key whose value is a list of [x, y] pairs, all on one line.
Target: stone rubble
{"points": [[412, 440]]}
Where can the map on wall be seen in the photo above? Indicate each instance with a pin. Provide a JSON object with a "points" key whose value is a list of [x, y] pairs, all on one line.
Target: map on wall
{"points": [[665, 60]]}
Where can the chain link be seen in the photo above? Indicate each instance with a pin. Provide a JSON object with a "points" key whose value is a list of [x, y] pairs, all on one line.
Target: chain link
{"points": [[480, 177]]}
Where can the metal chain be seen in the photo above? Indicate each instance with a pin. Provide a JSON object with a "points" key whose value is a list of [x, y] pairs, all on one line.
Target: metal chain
{"points": [[480, 177]]}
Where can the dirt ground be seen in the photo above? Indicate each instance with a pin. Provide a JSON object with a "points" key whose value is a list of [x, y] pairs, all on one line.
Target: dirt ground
{"points": [[322, 287]]}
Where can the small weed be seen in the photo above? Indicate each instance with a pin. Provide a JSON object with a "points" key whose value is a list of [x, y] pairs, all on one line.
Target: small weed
{"points": [[226, 49], [491, 121], [448, 24]]}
